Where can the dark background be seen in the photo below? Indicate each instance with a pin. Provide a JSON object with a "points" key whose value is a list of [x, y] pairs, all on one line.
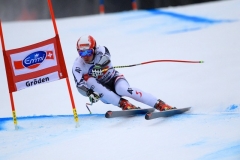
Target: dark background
{"points": [[14, 10]]}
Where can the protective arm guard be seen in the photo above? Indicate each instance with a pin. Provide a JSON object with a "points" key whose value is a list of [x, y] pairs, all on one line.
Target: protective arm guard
{"points": [[104, 58], [93, 96], [83, 90], [103, 62]]}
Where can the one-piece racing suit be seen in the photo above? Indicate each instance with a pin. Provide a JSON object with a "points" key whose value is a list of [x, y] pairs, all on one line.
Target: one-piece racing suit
{"points": [[112, 85]]}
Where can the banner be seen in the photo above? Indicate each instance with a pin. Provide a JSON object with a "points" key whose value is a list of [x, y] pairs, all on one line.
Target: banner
{"points": [[35, 64]]}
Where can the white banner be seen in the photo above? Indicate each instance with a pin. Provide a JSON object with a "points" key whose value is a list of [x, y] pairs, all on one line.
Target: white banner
{"points": [[34, 60], [38, 80]]}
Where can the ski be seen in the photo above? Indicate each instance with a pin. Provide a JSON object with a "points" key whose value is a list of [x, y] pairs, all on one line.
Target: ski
{"points": [[168, 113], [125, 113]]}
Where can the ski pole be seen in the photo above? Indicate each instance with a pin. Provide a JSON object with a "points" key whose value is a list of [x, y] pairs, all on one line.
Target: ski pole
{"points": [[88, 108], [132, 65]]}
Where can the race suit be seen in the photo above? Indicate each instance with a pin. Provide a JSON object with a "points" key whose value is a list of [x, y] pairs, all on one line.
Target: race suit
{"points": [[112, 85]]}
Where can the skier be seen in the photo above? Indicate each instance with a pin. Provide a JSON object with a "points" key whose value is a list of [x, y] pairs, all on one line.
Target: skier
{"points": [[96, 78]]}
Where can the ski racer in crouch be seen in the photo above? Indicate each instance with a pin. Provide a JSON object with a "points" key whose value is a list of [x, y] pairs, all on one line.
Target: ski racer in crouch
{"points": [[96, 78]]}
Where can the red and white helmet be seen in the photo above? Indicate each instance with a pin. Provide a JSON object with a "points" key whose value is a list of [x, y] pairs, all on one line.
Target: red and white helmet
{"points": [[86, 42]]}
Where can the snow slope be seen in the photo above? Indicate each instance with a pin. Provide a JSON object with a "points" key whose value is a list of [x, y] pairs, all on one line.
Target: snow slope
{"points": [[208, 32]]}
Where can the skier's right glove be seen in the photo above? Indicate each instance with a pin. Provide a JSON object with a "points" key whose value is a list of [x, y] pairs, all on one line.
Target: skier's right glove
{"points": [[93, 96]]}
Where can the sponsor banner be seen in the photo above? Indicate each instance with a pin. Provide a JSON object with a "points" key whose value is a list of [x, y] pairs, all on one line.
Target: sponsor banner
{"points": [[33, 60], [38, 80]]}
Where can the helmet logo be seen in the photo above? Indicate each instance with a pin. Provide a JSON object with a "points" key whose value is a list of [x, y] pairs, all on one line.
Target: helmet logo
{"points": [[84, 45]]}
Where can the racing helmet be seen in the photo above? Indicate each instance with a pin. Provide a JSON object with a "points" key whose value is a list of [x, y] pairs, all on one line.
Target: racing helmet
{"points": [[86, 42]]}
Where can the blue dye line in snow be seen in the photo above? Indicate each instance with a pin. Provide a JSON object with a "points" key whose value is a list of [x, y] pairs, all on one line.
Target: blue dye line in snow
{"points": [[183, 17], [198, 143], [6, 119], [186, 17], [191, 23], [232, 107], [184, 30], [230, 152], [46, 116]]}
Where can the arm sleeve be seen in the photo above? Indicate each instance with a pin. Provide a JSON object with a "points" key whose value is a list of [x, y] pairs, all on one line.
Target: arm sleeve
{"points": [[79, 81]]}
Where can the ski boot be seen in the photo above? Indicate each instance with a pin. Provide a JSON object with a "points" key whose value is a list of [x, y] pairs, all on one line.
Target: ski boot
{"points": [[161, 106], [126, 105]]}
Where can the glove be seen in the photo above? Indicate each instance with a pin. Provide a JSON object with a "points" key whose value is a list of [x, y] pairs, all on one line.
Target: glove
{"points": [[93, 96], [97, 71]]}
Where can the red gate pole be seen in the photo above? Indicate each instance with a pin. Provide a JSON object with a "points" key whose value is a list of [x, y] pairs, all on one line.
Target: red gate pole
{"points": [[63, 63], [9, 77]]}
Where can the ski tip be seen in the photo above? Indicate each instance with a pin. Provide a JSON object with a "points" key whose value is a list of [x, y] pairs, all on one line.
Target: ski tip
{"points": [[148, 115], [108, 114]]}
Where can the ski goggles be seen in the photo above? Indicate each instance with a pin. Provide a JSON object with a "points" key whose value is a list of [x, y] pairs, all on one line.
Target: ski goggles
{"points": [[87, 52]]}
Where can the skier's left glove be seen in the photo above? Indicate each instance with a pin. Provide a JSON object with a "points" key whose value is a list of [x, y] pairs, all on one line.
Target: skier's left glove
{"points": [[93, 96], [97, 71]]}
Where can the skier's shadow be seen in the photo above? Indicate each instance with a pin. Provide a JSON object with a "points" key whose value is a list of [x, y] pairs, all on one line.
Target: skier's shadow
{"points": [[121, 121], [158, 121], [170, 118]]}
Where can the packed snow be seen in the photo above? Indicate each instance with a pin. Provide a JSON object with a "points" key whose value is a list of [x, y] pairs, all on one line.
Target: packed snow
{"points": [[206, 32]]}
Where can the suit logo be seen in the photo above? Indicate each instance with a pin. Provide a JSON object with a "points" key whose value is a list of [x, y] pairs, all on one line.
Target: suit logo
{"points": [[130, 90], [139, 93], [78, 69]]}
